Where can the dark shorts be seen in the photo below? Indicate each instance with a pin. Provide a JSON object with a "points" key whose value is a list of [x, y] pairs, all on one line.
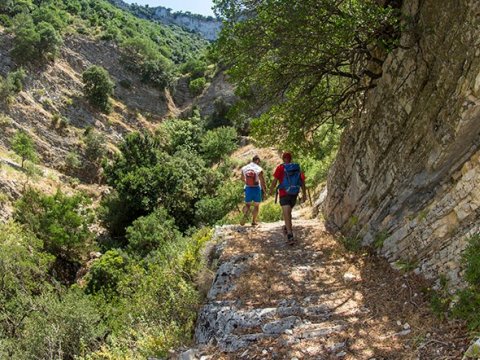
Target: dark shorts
{"points": [[289, 200]]}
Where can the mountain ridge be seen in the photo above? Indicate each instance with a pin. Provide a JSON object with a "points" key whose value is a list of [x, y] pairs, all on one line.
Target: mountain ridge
{"points": [[208, 26]]}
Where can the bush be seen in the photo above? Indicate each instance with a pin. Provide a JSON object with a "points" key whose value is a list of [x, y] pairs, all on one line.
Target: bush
{"points": [[49, 42], [196, 86], [5, 121], [26, 39], [175, 134], [209, 210], [62, 327], [98, 87], [95, 146], [60, 221], [469, 299], [11, 85], [270, 212], [156, 231], [157, 72], [145, 177], [220, 116], [22, 145], [194, 67], [72, 161], [218, 143], [106, 272], [35, 42], [24, 268], [471, 261]]}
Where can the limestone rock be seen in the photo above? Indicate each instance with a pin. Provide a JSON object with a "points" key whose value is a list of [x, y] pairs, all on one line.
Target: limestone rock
{"points": [[409, 166], [473, 352]]}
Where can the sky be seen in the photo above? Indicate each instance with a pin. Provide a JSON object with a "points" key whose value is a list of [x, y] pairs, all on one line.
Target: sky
{"points": [[202, 7]]}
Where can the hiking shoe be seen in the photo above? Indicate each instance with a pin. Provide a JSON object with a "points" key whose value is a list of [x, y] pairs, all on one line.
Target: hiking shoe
{"points": [[254, 224], [290, 239]]}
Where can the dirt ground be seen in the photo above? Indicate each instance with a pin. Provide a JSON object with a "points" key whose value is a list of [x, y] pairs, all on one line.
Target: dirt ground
{"points": [[371, 311]]}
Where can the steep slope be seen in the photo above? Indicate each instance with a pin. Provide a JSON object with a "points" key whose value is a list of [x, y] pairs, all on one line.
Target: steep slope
{"points": [[407, 174], [54, 112]]}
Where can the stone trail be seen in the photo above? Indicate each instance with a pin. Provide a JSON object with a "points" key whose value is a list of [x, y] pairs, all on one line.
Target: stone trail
{"points": [[270, 300]]}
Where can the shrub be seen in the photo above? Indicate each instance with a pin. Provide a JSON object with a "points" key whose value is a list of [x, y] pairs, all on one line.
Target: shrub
{"points": [[62, 327], [196, 86], [220, 115], [106, 272], [35, 42], [26, 39], [95, 146], [191, 259], [60, 221], [194, 67], [218, 143], [24, 268], [157, 72], [270, 212], [5, 121], [469, 299], [175, 134], [72, 161], [98, 87], [11, 85], [471, 261], [49, 42], [155, 231], [141, 55], [145, 177], [52, 15], [22, 145], [209, 210]]}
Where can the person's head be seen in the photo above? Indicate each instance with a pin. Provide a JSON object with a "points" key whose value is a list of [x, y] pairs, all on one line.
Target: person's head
{"points": [[287, 157], [256, 159]]}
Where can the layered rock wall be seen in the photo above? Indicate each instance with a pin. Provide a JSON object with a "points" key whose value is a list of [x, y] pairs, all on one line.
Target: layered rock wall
{"points": [[408, 171]]}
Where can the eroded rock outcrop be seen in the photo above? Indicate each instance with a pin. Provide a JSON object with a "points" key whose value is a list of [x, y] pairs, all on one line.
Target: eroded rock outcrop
{"points": [[408, 171]]}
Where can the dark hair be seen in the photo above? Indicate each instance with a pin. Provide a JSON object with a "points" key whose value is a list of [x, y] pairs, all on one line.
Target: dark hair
{"points": [[287, 156], [256, 157]]}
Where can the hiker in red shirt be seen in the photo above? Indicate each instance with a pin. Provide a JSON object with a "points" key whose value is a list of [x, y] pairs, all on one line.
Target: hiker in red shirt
{"points": [[290, 179]]}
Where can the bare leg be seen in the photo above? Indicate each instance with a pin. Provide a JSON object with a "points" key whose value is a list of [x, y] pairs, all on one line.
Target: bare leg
{"points": [[256, 208], [287, 216], [246, 211]]}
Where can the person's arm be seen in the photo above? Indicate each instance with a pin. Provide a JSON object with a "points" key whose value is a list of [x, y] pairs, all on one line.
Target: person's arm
{"points": [[262, 183], [272, 186]]}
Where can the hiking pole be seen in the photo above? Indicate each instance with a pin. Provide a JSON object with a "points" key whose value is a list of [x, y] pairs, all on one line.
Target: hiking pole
{"points": [[309, 197]]}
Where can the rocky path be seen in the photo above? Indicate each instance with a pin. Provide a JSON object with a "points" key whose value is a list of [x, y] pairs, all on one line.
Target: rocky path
{"points": [[314, 300]]}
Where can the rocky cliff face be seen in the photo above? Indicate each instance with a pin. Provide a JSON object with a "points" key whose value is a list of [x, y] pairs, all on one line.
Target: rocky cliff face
{"points": [[208, 27], [408, 171]]}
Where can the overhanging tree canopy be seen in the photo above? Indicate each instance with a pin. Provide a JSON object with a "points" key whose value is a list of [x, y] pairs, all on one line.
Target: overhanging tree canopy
{"points": [[305, 63]]}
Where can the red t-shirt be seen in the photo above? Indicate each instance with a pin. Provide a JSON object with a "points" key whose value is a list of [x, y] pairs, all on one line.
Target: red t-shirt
{"points": [[279, 174]]}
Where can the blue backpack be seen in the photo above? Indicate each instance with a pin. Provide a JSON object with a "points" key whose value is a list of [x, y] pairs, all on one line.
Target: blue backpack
{"points": [[292, 181]]}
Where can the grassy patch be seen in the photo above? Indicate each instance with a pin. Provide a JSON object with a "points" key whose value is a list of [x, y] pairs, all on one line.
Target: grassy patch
{"points": [[353, 244]]}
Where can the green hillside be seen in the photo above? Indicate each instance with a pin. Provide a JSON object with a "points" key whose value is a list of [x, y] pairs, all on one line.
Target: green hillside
{"points": [[38, 29]]}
